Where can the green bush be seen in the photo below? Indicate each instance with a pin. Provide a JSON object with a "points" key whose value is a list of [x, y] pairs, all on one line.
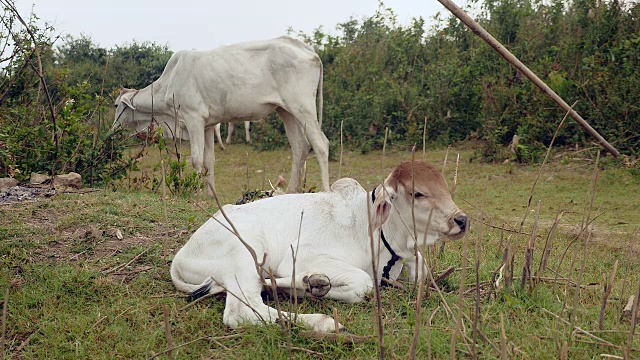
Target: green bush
{"points": [[47, 124]]}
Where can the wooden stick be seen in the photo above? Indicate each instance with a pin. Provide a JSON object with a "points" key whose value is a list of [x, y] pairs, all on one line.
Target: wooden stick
{"points": [[376, 285], [425, 269], [444, 163], [167, 331], [507, 55], [4, 322], [164, 210], [607, 291], [503, 340], [452, 349], [478, 255], [547, 246], [341, 149], [632, 328], [416, 249], [433, 314], [528, 261], [274, 292], [424, 142], [453, 189]]}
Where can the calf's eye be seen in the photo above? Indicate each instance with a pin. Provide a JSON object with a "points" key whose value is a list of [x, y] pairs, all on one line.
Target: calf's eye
{"points": [[418, 195]]}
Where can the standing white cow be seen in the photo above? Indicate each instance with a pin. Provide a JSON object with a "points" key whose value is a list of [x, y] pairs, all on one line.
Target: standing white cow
{"points": [[333, 257], [242, 82]]}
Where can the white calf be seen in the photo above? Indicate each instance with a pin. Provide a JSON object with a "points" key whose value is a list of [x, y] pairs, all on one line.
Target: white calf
{"points": [[333, 252]]}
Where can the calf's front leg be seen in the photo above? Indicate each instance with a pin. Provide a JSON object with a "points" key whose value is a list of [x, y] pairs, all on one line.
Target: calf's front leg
{"points": [[331, 279]]}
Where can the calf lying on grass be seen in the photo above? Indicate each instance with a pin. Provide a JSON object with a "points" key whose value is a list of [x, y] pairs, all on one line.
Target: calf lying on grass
{"points": [[333, 256]]}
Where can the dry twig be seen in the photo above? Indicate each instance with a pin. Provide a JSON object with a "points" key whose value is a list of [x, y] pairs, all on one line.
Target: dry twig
{"points": [[425, 270], [608, 286], [215, 339], [344, 338], [167, 331], [128, 263], [452, 349], [4, 322], [376, 287]]}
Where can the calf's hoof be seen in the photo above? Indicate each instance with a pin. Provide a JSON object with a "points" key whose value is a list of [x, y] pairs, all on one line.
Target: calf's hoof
{"points": [[318, 285]]}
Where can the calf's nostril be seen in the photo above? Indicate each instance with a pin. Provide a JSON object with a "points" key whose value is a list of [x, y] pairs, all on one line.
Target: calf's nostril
{"points": [[461, 221]]}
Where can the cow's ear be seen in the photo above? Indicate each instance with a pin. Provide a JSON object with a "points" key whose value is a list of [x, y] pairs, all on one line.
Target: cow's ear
{"points": [[384, 198], [126, 99]]}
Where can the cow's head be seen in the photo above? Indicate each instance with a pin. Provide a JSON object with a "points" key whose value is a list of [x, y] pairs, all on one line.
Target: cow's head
{"points": [[430, 197], [124, 109]]}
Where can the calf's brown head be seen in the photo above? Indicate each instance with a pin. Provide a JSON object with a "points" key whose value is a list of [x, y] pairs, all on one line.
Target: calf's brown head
{"points": [[422, 187]]}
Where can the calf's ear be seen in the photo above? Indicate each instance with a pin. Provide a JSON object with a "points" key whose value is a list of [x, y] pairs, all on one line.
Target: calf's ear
{"points": [[384, 197]]}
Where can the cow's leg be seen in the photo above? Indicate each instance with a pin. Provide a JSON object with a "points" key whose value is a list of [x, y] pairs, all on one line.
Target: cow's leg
{"points": [[299, 148], [247, 136], [244, 306], [210, 158], [320, 145], [328, 278], [217, 127], [319, 142], [197, 140], [230, 130]]}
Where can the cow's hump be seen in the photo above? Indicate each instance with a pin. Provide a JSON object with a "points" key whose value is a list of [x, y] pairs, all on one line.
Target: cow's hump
{"points": [[347, 187]]}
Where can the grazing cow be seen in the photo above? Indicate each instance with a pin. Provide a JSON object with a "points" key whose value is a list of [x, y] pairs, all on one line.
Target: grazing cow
{"points": [[230, 129], [333, 253], [242, 82]]}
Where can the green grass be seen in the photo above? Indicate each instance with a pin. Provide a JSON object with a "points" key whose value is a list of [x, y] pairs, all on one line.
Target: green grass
{"points": [[72, 297]]}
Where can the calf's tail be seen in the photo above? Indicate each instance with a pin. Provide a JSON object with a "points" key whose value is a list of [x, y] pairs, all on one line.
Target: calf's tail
{"points": [[209, 286]]}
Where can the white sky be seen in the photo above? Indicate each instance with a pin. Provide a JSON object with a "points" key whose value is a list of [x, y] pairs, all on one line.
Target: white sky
{"points": [[191, 24]]}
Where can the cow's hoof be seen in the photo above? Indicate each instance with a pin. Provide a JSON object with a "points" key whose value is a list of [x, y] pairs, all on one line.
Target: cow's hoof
{"points": [[318, 285]]}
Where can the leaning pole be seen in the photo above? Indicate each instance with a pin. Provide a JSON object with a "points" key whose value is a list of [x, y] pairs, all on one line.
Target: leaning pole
{"points": [[482, 33]]}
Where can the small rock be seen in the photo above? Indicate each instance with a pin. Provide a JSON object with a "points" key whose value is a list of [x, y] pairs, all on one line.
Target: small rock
{"points": [[628, 310], [39, 179], [119, 234], [8, 183], [70, 180]]}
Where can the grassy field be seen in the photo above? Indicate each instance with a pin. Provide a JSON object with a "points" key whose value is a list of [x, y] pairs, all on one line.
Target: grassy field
{"points": [[75, 290]]}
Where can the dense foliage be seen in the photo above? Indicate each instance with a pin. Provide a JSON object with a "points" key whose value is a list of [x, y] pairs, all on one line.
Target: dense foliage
{"points": [[377, 74], [380, 74], [54, 101]]}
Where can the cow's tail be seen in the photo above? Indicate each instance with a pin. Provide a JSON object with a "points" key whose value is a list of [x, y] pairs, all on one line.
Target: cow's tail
{"points": [[319, 95], [209, 286]]}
